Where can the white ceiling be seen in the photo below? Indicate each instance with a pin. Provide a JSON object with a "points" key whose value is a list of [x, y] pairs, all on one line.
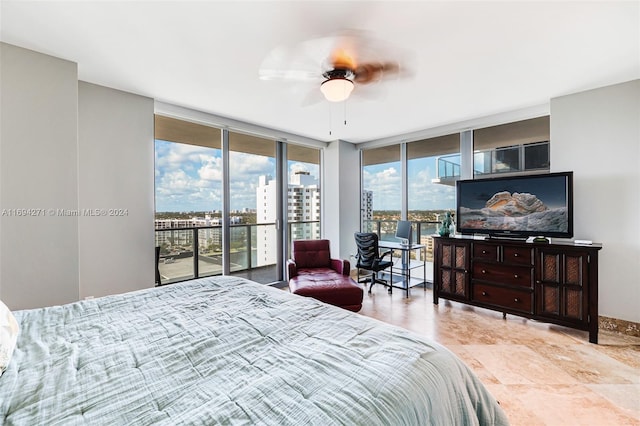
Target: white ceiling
{"points": [[466, 59]]}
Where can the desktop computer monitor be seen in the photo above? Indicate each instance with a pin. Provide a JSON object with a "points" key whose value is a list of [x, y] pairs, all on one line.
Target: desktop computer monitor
{"points": [[403, 231]]}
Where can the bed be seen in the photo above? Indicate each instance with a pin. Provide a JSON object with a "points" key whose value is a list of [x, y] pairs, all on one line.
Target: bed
{"points": [[226, 350]]}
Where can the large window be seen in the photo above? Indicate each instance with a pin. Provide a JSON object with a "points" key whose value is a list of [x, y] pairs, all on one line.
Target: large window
{"points": [[199, 231], [432, 168], [517, 147], [431, 194], [253, 206], [188, 182], [381, 190]]}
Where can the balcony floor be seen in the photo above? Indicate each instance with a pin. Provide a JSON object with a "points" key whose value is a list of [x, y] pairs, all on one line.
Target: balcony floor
{"points": [[263, 274]]}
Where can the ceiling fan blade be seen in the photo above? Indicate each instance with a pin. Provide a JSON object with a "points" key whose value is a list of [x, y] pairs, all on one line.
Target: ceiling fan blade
{"points": [[287, 74], [369, 92], [370, 72], [313, 96], [287, 63]]}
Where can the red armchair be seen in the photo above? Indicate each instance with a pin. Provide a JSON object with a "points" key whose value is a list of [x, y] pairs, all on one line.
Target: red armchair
{"points": [[313, 273]]}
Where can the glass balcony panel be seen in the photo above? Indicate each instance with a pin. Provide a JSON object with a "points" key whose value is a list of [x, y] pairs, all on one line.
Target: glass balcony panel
{"points": [[448, 166], [251, 255], [210, 251], [506, 160], [536, 156], [302, 230], [388, 229], [482, 162], [176, 255], [370, 226], [239, 247]]}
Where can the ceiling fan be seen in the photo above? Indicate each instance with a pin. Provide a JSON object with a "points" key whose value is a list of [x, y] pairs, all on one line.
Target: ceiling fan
{"points": [[338, 63]]}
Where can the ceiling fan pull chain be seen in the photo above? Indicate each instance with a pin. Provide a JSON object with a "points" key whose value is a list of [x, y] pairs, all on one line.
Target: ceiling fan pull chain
{"points": [[329, 118], [345, 112]]}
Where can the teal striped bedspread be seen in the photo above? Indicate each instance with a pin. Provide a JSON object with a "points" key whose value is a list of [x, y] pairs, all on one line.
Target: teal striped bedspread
{"points": [[225, 350]]}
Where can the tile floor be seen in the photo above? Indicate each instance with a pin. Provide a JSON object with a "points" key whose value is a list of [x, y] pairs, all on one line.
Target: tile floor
{"points": [[542, 374]]}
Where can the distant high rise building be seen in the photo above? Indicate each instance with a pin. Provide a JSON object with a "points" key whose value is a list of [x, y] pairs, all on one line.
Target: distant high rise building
{"points": [[179, 236], [366, 205], [303, 205], [266, 213]]}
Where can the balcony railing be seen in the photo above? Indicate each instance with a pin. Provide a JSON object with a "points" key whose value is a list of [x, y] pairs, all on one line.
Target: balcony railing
{"points": [[194, 252], [448, 167], [510, 159]]}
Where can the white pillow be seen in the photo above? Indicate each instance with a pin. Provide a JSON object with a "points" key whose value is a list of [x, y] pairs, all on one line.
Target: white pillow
{"points": [[8, 336]]}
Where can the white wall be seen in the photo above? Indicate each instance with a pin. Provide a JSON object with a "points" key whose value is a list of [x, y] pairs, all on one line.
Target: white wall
{"points": [[71, 146], [38, 170], [341, 197], [597, 135], [116, 176]]}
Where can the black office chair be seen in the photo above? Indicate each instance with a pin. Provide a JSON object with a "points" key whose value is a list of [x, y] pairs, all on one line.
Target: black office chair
{"points": [[370, 259]]}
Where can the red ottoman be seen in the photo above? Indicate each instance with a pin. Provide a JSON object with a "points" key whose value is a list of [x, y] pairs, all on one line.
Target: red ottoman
{"points": [[313, 273]]}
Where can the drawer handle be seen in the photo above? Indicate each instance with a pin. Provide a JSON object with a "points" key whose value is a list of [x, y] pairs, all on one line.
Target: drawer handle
{"points": [[516, 276], [516, 255], [484, 272], [484, 293], [484, 252], [516, 300]]}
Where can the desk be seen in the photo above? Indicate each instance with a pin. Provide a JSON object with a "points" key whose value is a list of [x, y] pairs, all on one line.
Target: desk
{"points": [[406, 265]]}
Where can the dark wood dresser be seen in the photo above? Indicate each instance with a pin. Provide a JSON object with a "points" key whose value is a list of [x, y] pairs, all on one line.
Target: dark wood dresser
{"points": [[554, 282]]}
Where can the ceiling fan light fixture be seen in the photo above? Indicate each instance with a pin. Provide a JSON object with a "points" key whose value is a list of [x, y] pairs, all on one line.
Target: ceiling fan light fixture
{"points": [[336, 89]]}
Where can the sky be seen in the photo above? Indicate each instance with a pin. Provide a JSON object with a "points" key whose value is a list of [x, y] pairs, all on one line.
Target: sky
{"points": [[189, 177], [385, 181]]}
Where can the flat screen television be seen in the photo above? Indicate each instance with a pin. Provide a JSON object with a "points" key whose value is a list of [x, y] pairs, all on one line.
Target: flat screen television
{"points": [[522, 206]]}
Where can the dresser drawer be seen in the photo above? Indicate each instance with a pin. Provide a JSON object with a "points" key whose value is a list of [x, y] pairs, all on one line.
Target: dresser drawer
{"points": [[503, 297], [520, 276], [517, 255], [485, 251]]}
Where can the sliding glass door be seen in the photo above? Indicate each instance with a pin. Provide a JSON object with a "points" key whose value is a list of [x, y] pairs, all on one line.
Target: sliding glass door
{"points": [[381, 191], [188, 182], [253, 208], [433, 166]]}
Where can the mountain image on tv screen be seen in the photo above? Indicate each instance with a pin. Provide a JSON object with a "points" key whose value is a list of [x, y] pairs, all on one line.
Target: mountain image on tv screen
{"points": [[542, 209]]}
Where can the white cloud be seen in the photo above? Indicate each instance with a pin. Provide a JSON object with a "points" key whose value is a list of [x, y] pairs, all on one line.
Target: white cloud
{"points": [[242, 165], [211, 169], [176, 155], [426, 195], [189, 177], [386, 186], [174, 182]]}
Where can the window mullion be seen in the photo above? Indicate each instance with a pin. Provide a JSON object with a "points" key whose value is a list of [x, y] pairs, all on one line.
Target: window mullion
{"points": [[226, 202]]}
